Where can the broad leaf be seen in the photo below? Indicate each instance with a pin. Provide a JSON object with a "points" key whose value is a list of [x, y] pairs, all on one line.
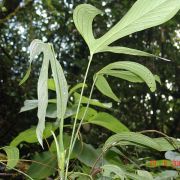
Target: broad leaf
{"points": [[29, 135], [108, 121], [12, 156], [143, 14], [43, 166]]}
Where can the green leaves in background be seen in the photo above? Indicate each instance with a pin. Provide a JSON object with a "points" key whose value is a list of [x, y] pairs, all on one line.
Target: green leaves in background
{"points": [[143, 14], [58, 83], [29, 135], [12, 156], [130, 71], [43, 166], [102, 119]]}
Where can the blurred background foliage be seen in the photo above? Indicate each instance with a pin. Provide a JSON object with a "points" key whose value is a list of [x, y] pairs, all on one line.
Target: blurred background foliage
{"points": [[21, 21]]}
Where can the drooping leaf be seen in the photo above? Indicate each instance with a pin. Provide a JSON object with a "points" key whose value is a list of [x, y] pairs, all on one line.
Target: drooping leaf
{"points": [[43, 166], [140, 140], [143, 14], [29, 135], [42, 91], [135, 68], [93, 102], [12, 156], [167, 144], [108, 121], [83, 16], [36, 47], [103, 86], [131, 138], [60, 84]]}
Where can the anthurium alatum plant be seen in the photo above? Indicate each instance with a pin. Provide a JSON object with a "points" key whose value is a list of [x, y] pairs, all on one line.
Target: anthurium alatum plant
{"points": [[67, 146]]}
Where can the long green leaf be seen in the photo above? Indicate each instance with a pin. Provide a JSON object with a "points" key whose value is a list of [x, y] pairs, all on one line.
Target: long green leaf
{"points": [[137, 139], [12, 156], [125, 50], [42, 96], [108, 121], [60, 84], [131, 138], [143, 14], [136, 68]]}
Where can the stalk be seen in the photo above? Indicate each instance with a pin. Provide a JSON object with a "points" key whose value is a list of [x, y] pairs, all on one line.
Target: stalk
{"points": [[75, 121], [90, 95]]}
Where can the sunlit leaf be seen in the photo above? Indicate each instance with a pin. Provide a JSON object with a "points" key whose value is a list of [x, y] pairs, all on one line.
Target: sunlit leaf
{"points": [[143, 14], [26, 76], [12, 156]]}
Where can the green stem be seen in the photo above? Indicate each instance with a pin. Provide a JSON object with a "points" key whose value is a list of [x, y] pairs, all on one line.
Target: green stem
{"points": [[61, 147], [75, 121], [90, 95]]}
